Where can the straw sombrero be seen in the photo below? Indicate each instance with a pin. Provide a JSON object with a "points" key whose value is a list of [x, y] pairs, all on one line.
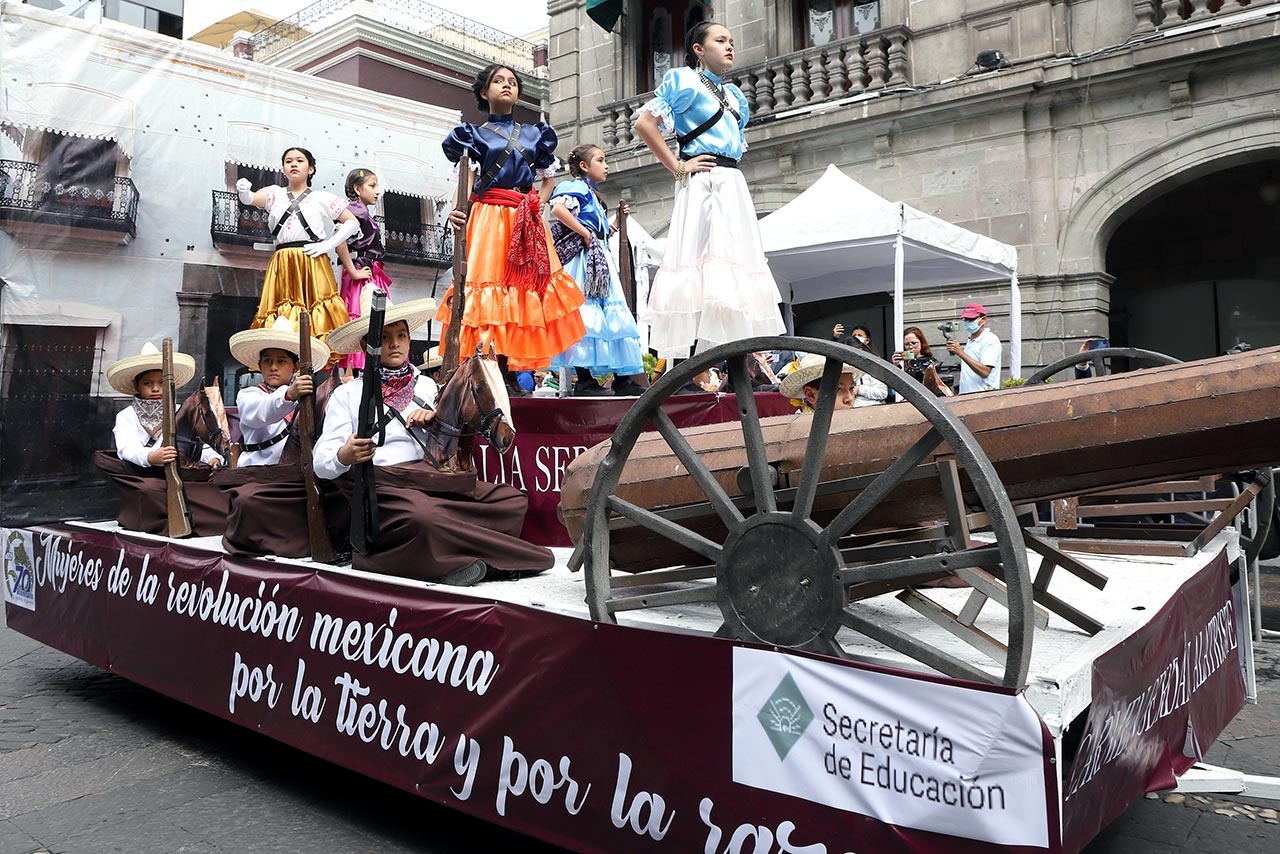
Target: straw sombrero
{"points": [[346, 338], [121, 374], [247, 346], [810, 369], [432, 359]]}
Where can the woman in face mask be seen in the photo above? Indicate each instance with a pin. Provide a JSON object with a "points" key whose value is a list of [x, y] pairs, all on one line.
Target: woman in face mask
{"points": [[859, 337]]}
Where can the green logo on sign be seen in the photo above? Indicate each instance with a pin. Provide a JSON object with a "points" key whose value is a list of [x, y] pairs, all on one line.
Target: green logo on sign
{"points": [[785, 716]]}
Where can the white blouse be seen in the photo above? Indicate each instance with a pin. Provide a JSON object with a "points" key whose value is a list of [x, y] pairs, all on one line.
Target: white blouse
{"points": [[319, 208], [262, 417], [132, 438], [340, 422]]}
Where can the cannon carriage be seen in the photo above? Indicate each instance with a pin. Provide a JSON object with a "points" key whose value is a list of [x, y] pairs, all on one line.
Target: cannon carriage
{"points": [[789, 526]]}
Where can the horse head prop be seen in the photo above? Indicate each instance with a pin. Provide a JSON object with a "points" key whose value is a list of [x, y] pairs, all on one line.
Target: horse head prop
{"points": [[202, 421], [473, 402]]}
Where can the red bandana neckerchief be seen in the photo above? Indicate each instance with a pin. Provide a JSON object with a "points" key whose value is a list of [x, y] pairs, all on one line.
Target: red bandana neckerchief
{"points": [[397, 386]]}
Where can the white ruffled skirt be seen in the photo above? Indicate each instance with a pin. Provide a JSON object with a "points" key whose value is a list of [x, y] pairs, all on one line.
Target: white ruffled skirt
{"points": [[714, 285]]}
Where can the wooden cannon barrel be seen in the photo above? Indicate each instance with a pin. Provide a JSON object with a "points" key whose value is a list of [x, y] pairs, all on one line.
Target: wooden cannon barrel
{"points": [[1047, 441]]}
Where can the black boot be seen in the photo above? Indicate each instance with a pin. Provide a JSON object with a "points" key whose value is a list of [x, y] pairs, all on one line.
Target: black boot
{"points": [[513, 385], [586, 386]]}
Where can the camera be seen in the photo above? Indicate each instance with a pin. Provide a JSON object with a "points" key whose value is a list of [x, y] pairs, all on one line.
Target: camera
{"points": [[914, 365], [947, 328]]}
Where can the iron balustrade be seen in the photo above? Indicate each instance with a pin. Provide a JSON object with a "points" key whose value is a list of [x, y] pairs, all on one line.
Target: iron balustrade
{"points": [[422, 244], [414, 16], [29, 194], [236, 223]]}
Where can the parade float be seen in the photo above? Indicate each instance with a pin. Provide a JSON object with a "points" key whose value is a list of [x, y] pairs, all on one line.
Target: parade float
{"points": [[753, 656]]}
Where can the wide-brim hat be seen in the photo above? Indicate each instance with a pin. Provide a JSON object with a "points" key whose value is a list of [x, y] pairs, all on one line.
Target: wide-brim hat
{"points": [[121, 374], [346, 338], [247, 346], [432, 359], [809, 370]]}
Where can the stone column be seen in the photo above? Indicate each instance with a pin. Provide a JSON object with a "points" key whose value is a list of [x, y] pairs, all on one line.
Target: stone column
{"points": [[1144, 15], [193, 323]]}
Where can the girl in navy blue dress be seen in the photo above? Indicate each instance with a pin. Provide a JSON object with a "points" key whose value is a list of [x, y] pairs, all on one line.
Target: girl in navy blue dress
{"points": [[518, 299]]}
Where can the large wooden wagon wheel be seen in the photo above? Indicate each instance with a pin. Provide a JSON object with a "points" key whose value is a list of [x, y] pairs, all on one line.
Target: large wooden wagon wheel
{"points": [[1255, 521], [779, 577]]}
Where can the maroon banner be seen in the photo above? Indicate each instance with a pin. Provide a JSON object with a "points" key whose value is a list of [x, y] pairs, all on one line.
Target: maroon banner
{"points": [[595, 737], [551, 433], [1159, 698]]}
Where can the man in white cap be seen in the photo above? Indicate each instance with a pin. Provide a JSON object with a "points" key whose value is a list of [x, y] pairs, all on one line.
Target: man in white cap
{"points": [[445, 527]]}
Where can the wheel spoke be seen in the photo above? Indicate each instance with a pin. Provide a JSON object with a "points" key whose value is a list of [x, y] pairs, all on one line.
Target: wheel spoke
{"points": [[918, 650], [662, 576], [895, 570], [753, 439], [698, 470], [819, 431], [684, 596], [881, 487], [665, 527]]}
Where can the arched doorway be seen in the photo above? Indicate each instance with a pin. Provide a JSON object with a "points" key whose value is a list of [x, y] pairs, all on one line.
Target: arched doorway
{"points": [[1197, 269]]}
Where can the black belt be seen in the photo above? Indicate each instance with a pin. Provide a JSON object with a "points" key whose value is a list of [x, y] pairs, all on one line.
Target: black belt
{"points": [[297, 244], [258, 446], [726, 162]]}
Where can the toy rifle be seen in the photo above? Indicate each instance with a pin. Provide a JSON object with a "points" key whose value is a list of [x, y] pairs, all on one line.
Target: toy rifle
{"points": [[179, 516], [625, 273], [317, 527], [364, 497], [450, 353]]}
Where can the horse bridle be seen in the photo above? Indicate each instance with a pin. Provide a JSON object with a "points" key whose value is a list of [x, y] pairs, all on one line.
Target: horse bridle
{"points": [[489, 421], [203, 413]]}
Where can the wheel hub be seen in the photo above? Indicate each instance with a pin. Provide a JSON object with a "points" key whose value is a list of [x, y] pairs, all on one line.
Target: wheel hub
{"points": [[777, 585]]}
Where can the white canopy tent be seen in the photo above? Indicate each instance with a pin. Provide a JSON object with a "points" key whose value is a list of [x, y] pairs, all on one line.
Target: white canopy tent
{"points": [[838, 238]]}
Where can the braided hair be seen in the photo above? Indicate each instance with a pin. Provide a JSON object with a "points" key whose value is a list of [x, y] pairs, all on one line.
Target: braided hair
{"points": [[356, 178], [581, 154]]}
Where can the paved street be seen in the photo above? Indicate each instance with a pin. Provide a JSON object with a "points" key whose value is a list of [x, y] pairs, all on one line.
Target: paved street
{"points": [[92, 764]]}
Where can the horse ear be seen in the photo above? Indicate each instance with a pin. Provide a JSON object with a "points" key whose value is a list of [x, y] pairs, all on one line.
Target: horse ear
{"points": [[492, 353]]}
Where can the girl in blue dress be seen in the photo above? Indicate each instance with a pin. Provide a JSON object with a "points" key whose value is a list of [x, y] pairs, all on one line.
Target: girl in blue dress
{"points": [[714, 285], [581, 234]]}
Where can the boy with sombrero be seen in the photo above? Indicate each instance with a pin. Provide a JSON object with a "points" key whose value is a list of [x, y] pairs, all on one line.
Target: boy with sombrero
{"points": [[135, 468], [137, 430], [445, 527], [801, 385], [266, 409], [267, 497]]}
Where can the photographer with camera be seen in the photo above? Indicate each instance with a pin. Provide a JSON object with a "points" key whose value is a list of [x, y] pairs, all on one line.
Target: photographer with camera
{"points": [[980, 354], [918, 360]]}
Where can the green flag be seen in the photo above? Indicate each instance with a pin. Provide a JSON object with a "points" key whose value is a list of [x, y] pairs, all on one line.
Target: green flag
{"points": [[605, 12]]}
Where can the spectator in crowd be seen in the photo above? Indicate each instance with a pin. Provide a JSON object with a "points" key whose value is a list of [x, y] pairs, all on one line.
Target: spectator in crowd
{"points": [[918, 360], [868, 391], [858, 335], [980, 354]]}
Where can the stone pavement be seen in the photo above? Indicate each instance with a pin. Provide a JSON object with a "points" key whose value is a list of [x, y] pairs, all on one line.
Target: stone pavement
{"points": [[93, 764]]}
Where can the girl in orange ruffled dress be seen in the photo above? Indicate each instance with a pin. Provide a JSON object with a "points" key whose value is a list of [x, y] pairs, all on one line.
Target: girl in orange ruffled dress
{"points": [[299, 277], [518, 297]]}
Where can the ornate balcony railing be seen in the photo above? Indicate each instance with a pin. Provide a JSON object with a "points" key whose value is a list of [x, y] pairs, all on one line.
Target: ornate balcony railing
{"points": [[29, 194], [863, 63], [237, 224], [1151, 15], [425, 245], [414, 16], [244, 225]]}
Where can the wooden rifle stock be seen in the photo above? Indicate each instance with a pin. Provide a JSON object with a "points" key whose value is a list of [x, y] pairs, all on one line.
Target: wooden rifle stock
{"points": [[179, 516], [364, 497], [450, 353], [625, 273], [317, 527]]}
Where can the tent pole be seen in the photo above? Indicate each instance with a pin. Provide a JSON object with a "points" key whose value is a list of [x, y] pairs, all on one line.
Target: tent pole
{"points": [[899, 262], [1015, 327]]}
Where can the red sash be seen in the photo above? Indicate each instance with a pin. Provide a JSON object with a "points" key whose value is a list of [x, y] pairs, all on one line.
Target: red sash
{"points": [[528, 256]]}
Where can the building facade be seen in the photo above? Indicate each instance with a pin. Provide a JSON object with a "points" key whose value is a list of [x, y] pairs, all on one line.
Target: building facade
{"points": [[1129, 149], [119, 224]]}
